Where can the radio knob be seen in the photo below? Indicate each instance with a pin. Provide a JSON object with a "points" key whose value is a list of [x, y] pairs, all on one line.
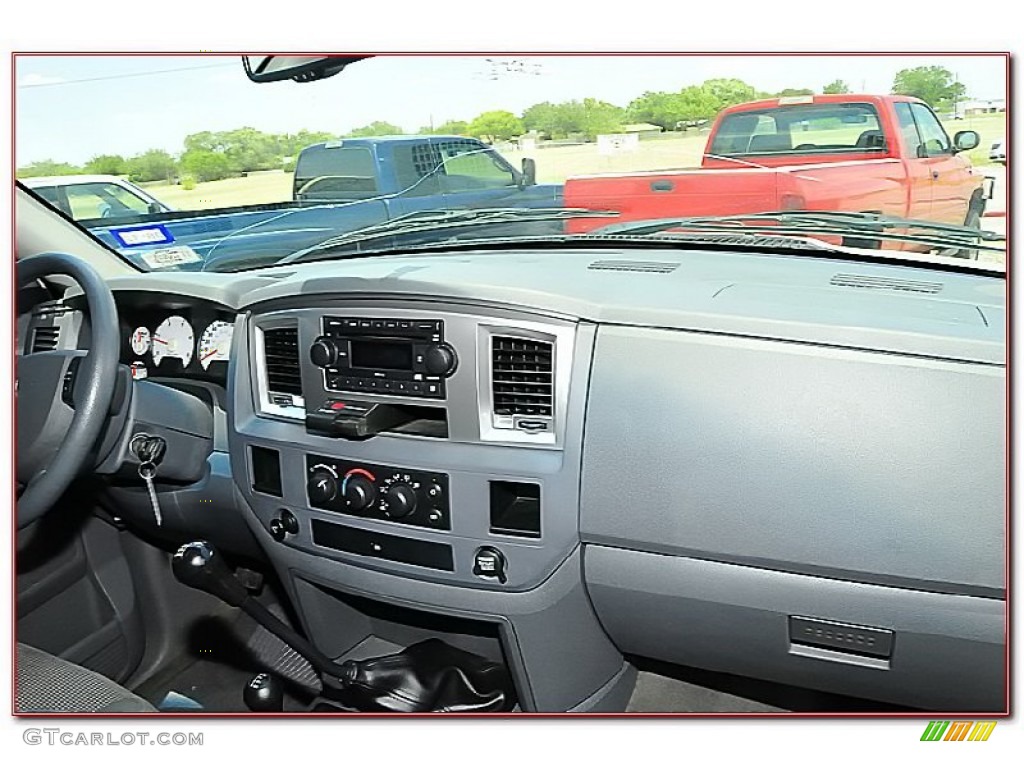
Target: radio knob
{"points": [[324, 352], [401, 500], [359, 493], [322, 487], [440, 360]]}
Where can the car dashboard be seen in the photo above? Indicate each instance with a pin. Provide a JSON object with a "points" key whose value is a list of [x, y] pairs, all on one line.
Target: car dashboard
{"points": [[778, 466]]}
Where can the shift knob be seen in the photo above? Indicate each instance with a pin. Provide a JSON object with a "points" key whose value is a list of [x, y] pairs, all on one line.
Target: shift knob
{"points": [[198, 565], [264, 693]]}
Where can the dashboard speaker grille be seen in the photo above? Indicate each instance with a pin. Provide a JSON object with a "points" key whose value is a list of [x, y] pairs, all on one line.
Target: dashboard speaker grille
{"points": [[281, 351], [44, 338], [521, 376]]}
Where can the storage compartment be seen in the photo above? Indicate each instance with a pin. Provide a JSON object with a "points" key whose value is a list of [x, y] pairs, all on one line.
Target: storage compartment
{"points": [[266, 470], [515, 509]]}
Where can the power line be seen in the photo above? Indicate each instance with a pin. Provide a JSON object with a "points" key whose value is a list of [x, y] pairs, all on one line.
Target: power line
{"points": [[126, 75]]}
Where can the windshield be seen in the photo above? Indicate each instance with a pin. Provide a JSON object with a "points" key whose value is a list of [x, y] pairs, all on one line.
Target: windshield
{"points": [[183, 163]]}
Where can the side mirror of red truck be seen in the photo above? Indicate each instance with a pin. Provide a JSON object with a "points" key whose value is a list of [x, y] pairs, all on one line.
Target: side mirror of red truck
{"points": [[529, 176], [965, 140]]}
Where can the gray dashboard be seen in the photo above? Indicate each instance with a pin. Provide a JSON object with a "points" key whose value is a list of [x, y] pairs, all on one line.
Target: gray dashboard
{"points": [[737, 442]]}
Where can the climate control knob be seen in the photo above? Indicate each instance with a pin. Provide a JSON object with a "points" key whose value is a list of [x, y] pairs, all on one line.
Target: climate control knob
{"points": [[440, 360], [322, 487], [358, 492], [324, 352], [401, 500]]}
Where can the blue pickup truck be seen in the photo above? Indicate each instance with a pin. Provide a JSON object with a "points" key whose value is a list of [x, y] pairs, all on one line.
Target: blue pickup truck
{"points": [[339, 187]]}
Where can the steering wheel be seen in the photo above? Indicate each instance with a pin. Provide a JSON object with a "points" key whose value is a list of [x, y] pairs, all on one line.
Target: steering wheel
{"points": [[63, 396]]}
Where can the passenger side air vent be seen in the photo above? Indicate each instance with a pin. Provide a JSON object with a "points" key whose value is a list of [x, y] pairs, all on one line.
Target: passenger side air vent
{"points": [[612, 265], [45, 338], [522, 378], [872, 282], [281, 357]]}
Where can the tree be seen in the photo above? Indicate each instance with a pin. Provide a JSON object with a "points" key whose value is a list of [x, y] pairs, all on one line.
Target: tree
{"points": [[794, 92], [660, 108], [496, 125], [376, 128], [453, 127], [47, 168], [930, 84], [543, 118], [836, 86], [728, 91], [152, 165], [112, 165], [696, 104], [204, 165]]}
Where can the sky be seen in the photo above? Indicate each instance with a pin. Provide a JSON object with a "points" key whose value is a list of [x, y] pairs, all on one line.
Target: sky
{"points": [[128, 104]]}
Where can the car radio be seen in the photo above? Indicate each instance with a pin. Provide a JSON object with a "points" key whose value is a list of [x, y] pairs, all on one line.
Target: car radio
{"points": [[389, 356]]}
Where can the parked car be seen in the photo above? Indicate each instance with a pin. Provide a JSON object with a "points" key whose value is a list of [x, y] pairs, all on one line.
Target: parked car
{"points": [[998, 152], [95, 196], [883, 154]]}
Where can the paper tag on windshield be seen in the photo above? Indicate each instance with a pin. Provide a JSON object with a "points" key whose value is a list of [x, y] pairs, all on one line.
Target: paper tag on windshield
{"points": [[170, 257]]}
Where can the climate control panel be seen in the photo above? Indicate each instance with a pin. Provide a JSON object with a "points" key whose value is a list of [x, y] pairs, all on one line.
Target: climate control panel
{"points": [[407, 496]]}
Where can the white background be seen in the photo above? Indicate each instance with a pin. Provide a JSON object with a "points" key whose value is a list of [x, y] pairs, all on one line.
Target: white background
{"points": [[514, 27]]}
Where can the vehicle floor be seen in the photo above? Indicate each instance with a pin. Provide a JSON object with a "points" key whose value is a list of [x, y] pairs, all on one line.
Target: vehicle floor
{"points": [[225, 651], [669, 688], [223, 654]]}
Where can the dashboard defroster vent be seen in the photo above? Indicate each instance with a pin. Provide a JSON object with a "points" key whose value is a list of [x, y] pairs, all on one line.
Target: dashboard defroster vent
{"points": [[521, 377], [45, 338], [874, 282], [281, 353], [612, 265]]}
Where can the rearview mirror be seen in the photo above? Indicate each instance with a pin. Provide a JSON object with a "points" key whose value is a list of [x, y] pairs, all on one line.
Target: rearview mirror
{"points": [[965, 140], [301, 69]]}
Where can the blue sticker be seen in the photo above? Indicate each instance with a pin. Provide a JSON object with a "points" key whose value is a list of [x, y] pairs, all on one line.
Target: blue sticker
{"points": [[136, 237]]}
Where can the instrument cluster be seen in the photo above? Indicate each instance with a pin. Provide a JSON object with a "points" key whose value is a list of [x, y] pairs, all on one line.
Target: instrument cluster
{"points": [[176, 339]]}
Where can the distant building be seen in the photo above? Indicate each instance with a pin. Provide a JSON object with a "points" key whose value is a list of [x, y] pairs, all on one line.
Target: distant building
{"points": [[980, 107], [643, 130]]}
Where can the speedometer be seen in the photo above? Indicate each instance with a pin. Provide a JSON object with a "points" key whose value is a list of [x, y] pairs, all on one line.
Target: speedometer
{"points": [[215, 343], [174, 338]]}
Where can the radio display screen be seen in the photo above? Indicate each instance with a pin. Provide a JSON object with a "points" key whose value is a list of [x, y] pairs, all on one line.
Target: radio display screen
{"points": [[381, 353]]}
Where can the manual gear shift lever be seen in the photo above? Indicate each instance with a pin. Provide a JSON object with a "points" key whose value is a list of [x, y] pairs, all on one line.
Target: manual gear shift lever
{"points": [[198, 565], [428, 676]]}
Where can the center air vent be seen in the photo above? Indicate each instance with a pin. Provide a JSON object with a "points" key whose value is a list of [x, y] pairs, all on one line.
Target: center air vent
{"points": [[281, 353], [872, 282], [611, 265], [521, 377], [44, 338]]}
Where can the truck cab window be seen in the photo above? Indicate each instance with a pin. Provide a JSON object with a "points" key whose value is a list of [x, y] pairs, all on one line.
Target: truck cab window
{"points": [[908, 129], [933, 137], [325, 172], [469, 166], [98, 201]]}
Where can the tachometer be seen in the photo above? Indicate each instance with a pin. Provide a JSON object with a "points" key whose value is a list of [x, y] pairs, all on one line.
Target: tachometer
{"points": [[174, 338], [215, 343], [140, 340]]}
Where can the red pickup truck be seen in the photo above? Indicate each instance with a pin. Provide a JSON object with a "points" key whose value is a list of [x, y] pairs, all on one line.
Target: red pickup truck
{"points": [[882, 154]]}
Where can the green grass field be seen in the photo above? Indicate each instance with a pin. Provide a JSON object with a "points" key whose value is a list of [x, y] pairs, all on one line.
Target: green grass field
{"points": [[554, 165]]}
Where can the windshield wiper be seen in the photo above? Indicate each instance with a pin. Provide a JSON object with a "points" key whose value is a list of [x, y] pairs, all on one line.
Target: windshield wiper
{"points": [[857, 229], [437, 220]]}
